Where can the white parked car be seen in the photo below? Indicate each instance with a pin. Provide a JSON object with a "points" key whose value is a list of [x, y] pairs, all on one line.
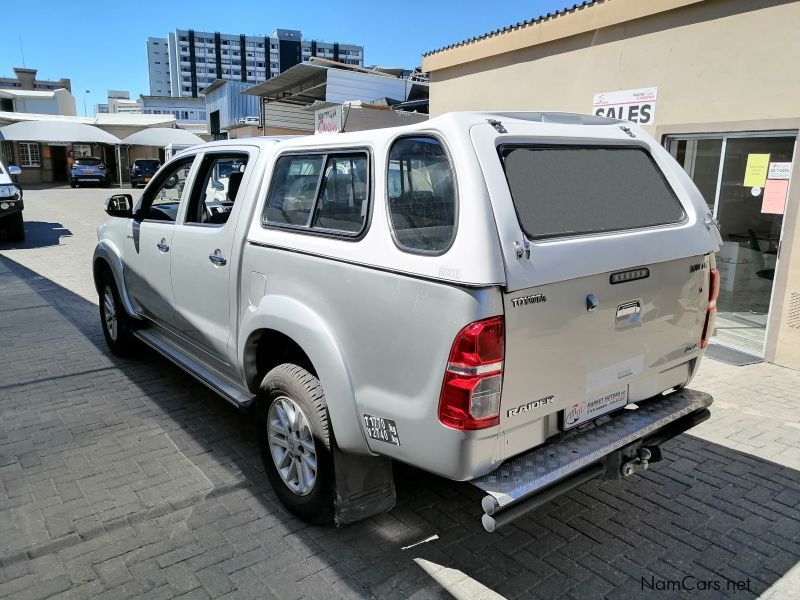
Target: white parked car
{"points": [[11, 204], [515, 300]]}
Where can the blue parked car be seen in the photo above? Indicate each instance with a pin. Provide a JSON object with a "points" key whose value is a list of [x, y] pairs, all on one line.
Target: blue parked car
{"points": [[89, 169]]}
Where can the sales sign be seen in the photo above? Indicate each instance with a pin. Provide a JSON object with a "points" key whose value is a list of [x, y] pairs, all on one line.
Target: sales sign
{"points": [[638, 106], [328, 120]]}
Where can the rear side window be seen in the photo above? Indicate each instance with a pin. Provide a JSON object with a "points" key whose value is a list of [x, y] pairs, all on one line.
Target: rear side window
{"points": [[562, 191], [342, 203], [421, 195], [320, 192]]}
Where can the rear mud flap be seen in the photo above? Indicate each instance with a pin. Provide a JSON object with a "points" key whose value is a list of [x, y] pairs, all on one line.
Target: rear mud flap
{"points": [[364, 486], [626, 442]]}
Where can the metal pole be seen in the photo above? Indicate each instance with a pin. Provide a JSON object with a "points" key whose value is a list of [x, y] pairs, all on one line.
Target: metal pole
{"points": [[119, 163]]}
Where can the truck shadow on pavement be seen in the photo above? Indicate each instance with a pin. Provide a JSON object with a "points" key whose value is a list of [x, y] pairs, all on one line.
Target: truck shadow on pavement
{"points": [[130, 477], [38, 234]]}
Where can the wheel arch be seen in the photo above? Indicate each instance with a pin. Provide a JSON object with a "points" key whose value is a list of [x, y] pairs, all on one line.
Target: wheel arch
{"points": [[301, 334], [106, 256]]}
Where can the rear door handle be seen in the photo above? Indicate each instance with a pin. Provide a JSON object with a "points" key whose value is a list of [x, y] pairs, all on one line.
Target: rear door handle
{"points": [[163, 245], [217, 258]]}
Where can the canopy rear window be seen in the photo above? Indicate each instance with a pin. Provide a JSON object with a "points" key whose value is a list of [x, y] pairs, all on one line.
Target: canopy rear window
{"points": [[567, 190]]}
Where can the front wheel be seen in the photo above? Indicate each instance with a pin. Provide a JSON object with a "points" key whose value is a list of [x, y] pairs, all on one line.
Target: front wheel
{"points": [[294, 435], [115, 321], [72, 184]]}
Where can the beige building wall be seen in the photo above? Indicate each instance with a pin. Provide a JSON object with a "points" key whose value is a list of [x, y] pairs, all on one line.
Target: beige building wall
{"points": [[714, 60], [719, 66]]}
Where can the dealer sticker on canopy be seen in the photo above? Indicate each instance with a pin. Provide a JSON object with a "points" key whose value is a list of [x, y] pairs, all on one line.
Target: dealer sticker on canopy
{"points": [[580, 412]]}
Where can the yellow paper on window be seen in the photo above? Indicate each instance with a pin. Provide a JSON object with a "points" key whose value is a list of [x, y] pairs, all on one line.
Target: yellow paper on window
{"points": [[755, 173]]}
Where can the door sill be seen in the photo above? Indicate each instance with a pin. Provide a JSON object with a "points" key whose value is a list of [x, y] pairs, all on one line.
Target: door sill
{"points": [[234, 394]]}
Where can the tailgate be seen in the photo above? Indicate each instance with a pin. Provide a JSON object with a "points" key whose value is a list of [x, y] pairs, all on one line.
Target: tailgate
{"points": [[577, 349], [607, 252]]}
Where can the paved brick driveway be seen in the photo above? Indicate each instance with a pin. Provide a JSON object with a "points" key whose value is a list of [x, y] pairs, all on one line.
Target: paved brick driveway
{"points": [[129, 479]]}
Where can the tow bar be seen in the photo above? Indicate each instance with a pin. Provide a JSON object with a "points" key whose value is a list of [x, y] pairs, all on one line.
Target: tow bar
{"points": [[623, 446], [638, 464]]}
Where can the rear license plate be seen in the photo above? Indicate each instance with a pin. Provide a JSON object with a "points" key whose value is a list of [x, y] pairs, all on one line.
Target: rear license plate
{"points": [[586, 410], [384, 430], [87, 170], [146, 179]]}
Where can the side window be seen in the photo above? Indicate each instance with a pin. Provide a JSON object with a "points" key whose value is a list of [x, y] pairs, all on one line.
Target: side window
{"points": [[421, 195], [320, 192], [216, 188], [342, 204], [161, 203], [294, 188]]}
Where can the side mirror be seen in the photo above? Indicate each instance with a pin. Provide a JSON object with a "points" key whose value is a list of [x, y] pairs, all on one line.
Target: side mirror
{"points": [[14, 170], [120, 205]]}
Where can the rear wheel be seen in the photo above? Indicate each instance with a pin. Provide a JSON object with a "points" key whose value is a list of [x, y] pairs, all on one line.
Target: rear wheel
{"points": [[293, 431], [15, 227], [115, 321]]}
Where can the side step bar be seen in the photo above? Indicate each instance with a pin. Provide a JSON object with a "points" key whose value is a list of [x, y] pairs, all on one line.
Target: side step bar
{"points": [[232, 394], [528, 481]]}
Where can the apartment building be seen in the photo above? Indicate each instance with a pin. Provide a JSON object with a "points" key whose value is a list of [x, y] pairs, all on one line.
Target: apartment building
{"points": [[186, 61]]}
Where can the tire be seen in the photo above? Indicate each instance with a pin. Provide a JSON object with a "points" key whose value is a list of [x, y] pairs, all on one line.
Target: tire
{"points": [[72, 184], [15, 228], [114, 320], [289, 441]]}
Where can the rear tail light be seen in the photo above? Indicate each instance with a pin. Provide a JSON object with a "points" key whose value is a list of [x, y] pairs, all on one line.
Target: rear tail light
{"points": [[473, 381], [711, 313]]}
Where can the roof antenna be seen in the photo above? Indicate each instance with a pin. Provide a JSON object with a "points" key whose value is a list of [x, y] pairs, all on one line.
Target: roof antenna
{"points": [[22, 51]]}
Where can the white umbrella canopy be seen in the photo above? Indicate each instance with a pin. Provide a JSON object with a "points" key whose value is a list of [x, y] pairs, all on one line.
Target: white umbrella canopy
{"points": [[56, 131], [162, 136]]}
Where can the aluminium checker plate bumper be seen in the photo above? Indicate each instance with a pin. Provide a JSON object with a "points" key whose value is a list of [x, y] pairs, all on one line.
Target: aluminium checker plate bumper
{"points": [[523, 477]]}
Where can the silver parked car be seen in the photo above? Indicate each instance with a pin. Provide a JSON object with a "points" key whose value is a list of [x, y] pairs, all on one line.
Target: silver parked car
{"points": [[515, 300]]}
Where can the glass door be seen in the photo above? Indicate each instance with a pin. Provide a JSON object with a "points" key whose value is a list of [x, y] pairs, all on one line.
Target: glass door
{"points": [[744, 181]]}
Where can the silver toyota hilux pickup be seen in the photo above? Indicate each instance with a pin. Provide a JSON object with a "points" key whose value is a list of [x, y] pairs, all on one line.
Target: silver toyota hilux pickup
{"points": [[517, 300]]}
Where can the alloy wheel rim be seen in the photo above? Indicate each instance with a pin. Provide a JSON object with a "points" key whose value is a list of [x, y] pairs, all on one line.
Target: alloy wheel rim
{"points": [[291, 445], [110, 313]]}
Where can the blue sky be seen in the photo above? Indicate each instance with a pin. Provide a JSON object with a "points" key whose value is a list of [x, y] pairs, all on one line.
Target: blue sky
{"points": [[101, 45]]}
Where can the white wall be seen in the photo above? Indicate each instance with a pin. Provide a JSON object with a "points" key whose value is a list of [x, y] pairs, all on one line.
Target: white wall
{"points": [[344, 86], [288, 116]]}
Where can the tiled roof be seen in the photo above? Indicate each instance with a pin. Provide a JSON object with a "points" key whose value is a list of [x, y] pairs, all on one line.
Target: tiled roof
{"points": [[548, 16]]}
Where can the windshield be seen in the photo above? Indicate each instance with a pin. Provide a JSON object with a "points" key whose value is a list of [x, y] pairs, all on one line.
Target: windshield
{"points": [[147, 164], [88, 162], [568, 190]]}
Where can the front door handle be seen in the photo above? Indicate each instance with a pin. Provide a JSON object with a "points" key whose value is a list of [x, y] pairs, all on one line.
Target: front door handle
{"points": [[163, 245], [217, 258]]}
